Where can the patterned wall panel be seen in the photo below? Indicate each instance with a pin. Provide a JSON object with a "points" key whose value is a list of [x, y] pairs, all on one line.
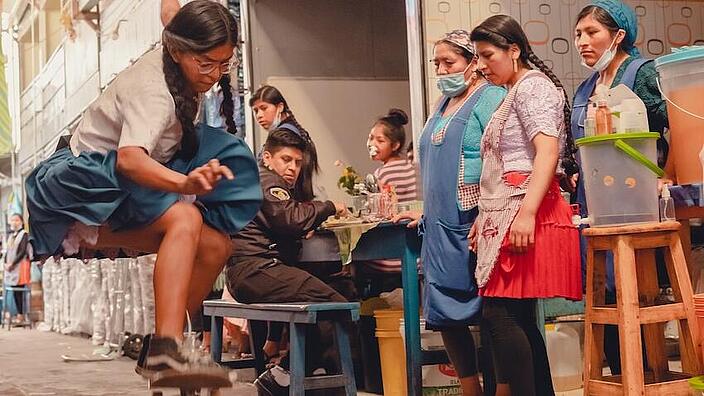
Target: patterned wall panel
{"points": [[550, 28]]}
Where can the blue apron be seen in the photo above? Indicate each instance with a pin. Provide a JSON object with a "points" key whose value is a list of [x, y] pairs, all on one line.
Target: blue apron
{"points": [[579, 114], [450, 296]]}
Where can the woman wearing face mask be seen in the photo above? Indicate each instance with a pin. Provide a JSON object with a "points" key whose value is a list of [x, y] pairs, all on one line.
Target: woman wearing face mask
{"points": [[272, 112], [450, 166], [527, 247], [605, 33], [17, 266]]}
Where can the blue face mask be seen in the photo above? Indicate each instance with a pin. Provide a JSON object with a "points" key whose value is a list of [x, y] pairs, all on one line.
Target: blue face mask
{"points": [[454, 84]]}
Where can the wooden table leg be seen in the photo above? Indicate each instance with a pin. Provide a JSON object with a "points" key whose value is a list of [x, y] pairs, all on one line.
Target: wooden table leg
{"points": [[594, 333], [686, 240], [689, 332], [654, 333], [629, 325]]}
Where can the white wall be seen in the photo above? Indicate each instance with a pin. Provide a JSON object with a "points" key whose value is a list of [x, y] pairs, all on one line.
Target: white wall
{"points": [[328, 38], [338, 114]]}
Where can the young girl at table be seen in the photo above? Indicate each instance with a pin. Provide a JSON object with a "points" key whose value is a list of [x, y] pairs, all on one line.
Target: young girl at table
{"points": [[526, 244], [387, 144], [139, 174]]}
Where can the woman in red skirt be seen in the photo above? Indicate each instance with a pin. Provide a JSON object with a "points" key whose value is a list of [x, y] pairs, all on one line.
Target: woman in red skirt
{"points": [[526, 244]]}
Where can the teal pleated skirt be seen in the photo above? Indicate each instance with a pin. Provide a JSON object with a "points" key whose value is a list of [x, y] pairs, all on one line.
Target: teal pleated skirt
{"points": [[65, 189]]}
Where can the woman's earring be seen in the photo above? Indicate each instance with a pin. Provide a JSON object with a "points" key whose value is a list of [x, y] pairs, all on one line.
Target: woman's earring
{"points": [[515, 65]]}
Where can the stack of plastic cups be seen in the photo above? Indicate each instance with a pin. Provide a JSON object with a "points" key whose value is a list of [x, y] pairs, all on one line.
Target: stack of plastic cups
{"points": [[699, 312]]}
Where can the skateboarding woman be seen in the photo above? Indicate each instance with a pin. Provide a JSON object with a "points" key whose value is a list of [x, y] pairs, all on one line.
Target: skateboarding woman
{"points": [[138, 174]]}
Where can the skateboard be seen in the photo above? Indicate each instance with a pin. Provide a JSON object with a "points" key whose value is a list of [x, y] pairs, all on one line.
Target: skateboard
{"points": [[89, 358], [189, 384]]}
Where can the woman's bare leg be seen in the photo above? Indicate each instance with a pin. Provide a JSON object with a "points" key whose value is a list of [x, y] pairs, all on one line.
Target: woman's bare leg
{"points": [[213, 252], [175, 237]]}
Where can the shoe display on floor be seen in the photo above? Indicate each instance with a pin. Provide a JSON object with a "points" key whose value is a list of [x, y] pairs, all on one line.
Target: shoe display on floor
{"points": [[273, 382]]}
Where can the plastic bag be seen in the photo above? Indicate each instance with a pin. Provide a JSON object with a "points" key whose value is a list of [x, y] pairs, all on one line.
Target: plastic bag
{"points": [[146, 278], [81, 320], [118, 291], [100, 307], [56, 299], [110, 284], [48, 294], [128, 309], [394, 298], [136, 291], [65, 295]]}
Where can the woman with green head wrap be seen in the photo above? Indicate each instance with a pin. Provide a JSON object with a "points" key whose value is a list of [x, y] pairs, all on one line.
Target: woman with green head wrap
{"points": [[605, 35]]}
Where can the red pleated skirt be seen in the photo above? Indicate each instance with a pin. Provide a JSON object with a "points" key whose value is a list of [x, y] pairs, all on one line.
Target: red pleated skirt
{"points": [[551, 268]]}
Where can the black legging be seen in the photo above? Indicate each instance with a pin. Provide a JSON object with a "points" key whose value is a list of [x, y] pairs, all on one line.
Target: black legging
{"points": [[19, 300], [518, 348], [460, 348]]}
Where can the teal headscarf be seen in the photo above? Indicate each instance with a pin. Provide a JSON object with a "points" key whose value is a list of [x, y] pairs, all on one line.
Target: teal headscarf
{"points": [[625, 18]]}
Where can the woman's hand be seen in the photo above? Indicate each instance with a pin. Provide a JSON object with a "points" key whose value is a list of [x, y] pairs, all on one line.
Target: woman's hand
{"points": [[473, 237], [340, 209], [204, 178], [412, 215], [522, 232]]}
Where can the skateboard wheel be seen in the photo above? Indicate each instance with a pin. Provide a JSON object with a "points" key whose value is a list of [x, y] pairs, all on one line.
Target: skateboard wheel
{"points": [[133, 346]]}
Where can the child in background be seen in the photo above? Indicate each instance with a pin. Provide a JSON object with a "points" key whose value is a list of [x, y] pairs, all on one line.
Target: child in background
{"points": [[387, 142]]}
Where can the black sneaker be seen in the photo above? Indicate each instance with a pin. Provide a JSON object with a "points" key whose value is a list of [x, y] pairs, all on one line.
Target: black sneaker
{"points": [[273, 382], [165, 356], [159, 354]]}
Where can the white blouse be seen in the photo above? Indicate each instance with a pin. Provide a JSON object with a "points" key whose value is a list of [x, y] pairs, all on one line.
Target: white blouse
{"points": [[137, 109], [538, 108]]}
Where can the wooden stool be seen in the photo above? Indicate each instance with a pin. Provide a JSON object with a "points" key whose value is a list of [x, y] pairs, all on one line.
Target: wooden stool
{"points": [[636, 289]]}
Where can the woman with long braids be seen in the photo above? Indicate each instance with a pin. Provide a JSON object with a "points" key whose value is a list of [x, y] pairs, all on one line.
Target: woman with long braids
{"points": [[272, 112], [139, 175], [526, 244]]}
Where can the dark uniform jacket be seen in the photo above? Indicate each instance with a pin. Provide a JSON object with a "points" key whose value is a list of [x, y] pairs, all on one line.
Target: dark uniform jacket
{"points": [[276, 231]]}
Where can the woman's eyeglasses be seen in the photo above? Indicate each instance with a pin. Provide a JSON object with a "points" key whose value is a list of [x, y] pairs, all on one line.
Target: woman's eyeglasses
{"points": [[209, 67]]}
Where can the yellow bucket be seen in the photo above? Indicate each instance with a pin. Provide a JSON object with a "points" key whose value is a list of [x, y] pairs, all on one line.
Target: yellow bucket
{"points": [[391, 351]]}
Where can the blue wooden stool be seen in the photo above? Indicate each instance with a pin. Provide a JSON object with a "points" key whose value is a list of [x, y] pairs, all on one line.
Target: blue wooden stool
{"points": [[298, 316]]}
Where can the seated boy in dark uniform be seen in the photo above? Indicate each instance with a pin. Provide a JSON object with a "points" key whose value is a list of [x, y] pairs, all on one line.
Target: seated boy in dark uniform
{"points": [[262, 269]]}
